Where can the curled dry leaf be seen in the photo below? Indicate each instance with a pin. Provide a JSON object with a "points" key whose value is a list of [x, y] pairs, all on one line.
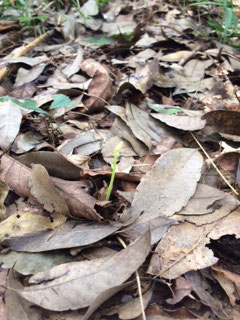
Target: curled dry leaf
{"points": [[11, 117], [100, 87], [86, 279], [43, 190], [22, 223], [80, 204]]}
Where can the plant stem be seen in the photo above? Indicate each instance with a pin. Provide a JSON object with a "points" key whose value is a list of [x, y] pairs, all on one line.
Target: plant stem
{"points": [[114, 165]]}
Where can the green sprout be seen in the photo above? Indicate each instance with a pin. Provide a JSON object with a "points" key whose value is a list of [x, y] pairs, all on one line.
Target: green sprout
{"points": [[114, 165]]}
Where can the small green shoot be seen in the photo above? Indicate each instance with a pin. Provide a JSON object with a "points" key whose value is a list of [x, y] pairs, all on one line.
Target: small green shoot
{"points": [[114, 165]]}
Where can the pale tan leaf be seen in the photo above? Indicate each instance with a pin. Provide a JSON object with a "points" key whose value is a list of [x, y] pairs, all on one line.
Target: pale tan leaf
{"points": [[182, 249], [11, 117]]}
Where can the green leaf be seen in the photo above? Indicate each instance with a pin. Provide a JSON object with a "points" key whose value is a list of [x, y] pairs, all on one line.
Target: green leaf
{"points": [[160, 108], [27, 104], [100, 42], [60, 100], [228, 19]]}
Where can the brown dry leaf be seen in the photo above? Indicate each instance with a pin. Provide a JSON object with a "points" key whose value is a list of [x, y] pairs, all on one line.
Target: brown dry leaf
{"points": [[201, 287], [22, 223], [3, 194], [76, 285], [100, 87], [181, 122], [11, 117], [176, 56], [222, 121], [55, 164], [158, 192], [182, 249], [41, 187], [144, 77], [182, 288], [71, 235], [17, 176], [229, 281]]}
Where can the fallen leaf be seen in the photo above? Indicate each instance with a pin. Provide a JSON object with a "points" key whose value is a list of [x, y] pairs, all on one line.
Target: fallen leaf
{"points": [[56, 165], [182, 249], [17, 307], [181, 122], [100, 87], [202, 200], [158, 192], [86, 279], [182, 288], [11, 117], [31, 263], [80, 204], [222, 208], [131, 309], [71, 235], [199, 287], [226, 122], [3, 194], [229, 281], [43, 190], [21, 223], [25, 142]]}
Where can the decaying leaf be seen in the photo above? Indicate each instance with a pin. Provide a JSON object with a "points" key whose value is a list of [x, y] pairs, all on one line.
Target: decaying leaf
{"points": [[71, 235], [22, 223], [31, 263], [86, 279], [77, 200], [158, 192], [43, 190], [11, 117], [100, 87], [182, 249]]}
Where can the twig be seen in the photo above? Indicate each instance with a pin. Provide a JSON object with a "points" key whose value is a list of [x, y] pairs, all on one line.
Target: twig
{"points": [[24, 50], [138, 283], [214, 166]]}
